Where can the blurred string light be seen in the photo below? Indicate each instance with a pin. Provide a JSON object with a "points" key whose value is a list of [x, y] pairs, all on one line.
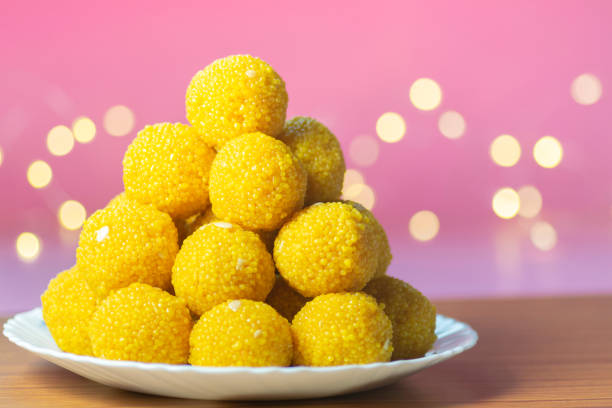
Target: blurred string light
{"points": [[84, 130], [390, 127], [71, 214], [425, 94], [1, 156], [548, 152], [356, 189], [451, 124], [39, 174], [364, 150], [118, 120], [530, 201], [543, 236], [60, 140], [506, 203], [360, 193], [505, 151], [424, 226], [352, 177], [28, 246], [586, 89]]}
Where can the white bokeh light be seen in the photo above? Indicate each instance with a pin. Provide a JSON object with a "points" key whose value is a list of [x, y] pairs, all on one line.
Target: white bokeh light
{"points": [[543, 236], [425, 94], [451, 124], [119, 120], [390, 127], [506, 203], [424, 225], [586, 89]]}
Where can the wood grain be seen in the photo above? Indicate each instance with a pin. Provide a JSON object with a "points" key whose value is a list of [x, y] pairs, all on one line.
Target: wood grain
{"points": [[547, 352]]}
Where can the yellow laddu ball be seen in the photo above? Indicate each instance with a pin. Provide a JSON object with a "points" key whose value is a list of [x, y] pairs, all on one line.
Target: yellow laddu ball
{"points": [[285, 300], [241, 333], [412, 314], [383, 250], [168, 165], [326, 248], [67, 306], [221, 261], [319, 152], [236, 95], [256, 182], [124, 243], [341, 328], [267, 237], [141, 323]]}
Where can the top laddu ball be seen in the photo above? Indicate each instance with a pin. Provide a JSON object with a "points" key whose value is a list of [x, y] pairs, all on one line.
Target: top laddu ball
{"points": [[236, 95]]}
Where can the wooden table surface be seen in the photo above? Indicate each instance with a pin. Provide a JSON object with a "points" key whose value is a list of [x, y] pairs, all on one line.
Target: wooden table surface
{"points": [[546, 352]]}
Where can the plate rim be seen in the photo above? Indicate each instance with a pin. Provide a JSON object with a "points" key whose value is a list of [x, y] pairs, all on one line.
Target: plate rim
{"points": [[9, 332]]}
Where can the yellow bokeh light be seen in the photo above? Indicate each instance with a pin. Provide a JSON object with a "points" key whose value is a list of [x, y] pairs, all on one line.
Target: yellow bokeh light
{"points": [[505, 151], [39, 174], [60, 140], [84, 129], [71, 214], [543, 236], [451, 124], [425, 94], [424, 226], [586, 89], [364, 150], [506, 203], [361, 193], [530, 201], [352, 177], [390, 127], [119, 120], [548, 152], [1, 156], [28, 246]]}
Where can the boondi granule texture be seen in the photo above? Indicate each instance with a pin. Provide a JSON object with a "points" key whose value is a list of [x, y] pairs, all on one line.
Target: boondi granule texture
{"points": [[67, 306], [236, 95], [241, 333], [141, 323], [381, 242], [341, 328], [256, 182], [221, 261], [319, 152], [168, 165], [412, 314], [124, 243], [267, 237], [326, 248], [285, 300]]}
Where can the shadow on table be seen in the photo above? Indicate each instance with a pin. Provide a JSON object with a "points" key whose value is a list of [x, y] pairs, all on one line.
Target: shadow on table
{"points": [[445, 385]]}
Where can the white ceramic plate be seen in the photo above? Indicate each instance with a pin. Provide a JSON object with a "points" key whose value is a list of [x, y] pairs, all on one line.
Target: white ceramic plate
{"points": [[28, 330]]}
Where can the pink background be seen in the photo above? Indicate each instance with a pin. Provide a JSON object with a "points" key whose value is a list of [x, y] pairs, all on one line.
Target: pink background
{"points": [[505, 66]]}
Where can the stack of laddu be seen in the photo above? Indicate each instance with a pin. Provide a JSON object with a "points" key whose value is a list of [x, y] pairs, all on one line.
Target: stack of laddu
{"points": [[230, 245]]}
